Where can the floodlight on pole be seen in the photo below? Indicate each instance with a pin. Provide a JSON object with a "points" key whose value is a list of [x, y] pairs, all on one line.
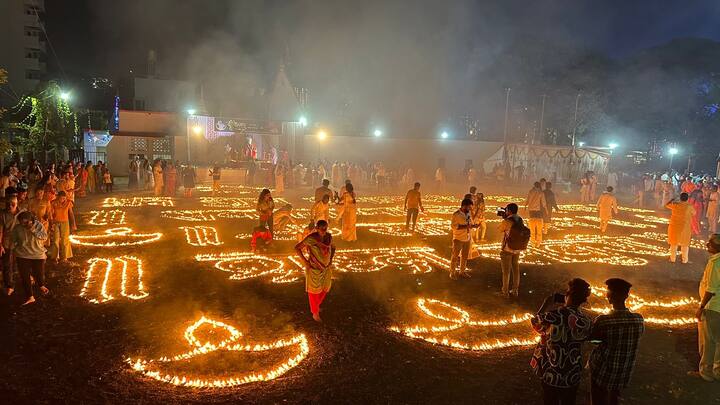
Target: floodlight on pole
{"points": [[613, 145], [444, 135], [303, 121], [322, 135], [581, 144], [65, 95], [672, 152], [191, 111], [378, 132]]}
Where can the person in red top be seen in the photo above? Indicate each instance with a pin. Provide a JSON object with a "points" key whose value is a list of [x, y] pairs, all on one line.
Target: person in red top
{"points": [[61, 214]]}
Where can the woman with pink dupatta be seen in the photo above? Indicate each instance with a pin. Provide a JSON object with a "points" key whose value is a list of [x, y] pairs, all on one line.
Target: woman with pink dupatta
{"points": [[696, 200], [317, 251]]}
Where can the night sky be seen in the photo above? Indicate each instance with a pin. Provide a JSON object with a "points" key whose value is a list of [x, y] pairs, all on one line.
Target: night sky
{"points": [[115, 34]]}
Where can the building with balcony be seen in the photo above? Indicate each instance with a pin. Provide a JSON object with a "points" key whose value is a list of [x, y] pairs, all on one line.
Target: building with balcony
{"points": [[22, 47]]}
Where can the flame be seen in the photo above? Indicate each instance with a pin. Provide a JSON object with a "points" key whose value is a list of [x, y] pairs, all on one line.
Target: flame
{"points": [[107, 217], [127, 264], [149, 367], [111, 202], [115, 237], [201, 235]]}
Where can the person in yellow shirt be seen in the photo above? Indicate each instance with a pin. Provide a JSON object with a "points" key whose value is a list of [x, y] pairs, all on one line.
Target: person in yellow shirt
{"points": [[607, 207]]}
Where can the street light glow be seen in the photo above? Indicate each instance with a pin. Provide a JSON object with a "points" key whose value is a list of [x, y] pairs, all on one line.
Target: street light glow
{"points": [[673, 151], [191, 111], [322, 135], [613, 145], [444, 135], [303, 121], [581, 144], [65, 95], [377, 132], [197, 129]]}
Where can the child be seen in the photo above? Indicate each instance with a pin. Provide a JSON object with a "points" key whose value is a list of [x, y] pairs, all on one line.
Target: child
{"points": [[262, 233], [107, 180]]}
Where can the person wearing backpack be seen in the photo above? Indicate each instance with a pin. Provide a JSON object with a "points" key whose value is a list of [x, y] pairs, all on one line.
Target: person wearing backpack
{"points": [[515, 239]]}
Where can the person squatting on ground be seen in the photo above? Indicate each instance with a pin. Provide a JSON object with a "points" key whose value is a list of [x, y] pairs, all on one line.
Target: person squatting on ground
{"points": [[617, 335], [317, 251], [708, 315], [265, 209], [462, 226], [28, 239], [413, 205], [563, 327]]}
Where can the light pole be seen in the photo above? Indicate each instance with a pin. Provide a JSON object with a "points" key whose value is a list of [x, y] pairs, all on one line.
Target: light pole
{"points": [[505, 134], [542, 116], [577, 101]]}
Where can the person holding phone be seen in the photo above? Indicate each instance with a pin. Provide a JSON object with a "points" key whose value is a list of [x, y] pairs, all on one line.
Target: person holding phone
{"points": [[563, 327], [462, 227], [617, 334]]}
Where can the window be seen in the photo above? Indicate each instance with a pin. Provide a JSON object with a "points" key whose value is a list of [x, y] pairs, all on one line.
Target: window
{"points": [[138, 145], [161, 146], [33, 74], [32, 53], [32, 32]]}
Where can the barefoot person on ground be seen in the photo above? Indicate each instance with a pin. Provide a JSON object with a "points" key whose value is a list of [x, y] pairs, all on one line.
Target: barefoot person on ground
{"points": [[318, 265], [28, 238]]}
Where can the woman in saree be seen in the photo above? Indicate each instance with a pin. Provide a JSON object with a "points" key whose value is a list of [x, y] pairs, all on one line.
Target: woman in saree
{"points": [[349, 213], [158, 178], [316, 251], [170, 179], [696, 200]]}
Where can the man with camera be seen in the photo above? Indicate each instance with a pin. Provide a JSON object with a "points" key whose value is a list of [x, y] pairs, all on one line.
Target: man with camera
{"points": [[515, 239], [462, 227]]}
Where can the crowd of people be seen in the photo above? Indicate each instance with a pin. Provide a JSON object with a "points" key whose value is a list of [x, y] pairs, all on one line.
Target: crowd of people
{"points": [[37, 218]]}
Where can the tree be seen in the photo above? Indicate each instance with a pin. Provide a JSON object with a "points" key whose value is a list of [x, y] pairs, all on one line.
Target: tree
{"points": [[50, 123], [5, 146]]}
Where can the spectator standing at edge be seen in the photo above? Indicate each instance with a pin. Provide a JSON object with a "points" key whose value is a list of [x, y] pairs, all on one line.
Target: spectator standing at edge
{"points": [[563, 327], [536, 206], [708, 315], [618, 333]]}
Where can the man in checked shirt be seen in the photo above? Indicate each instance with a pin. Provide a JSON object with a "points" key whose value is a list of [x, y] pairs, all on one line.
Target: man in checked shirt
{"points": [[618, 333]]}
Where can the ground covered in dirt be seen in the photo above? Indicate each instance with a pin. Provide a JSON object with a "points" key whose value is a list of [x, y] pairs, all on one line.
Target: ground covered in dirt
{"points": [[72, 346]]}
